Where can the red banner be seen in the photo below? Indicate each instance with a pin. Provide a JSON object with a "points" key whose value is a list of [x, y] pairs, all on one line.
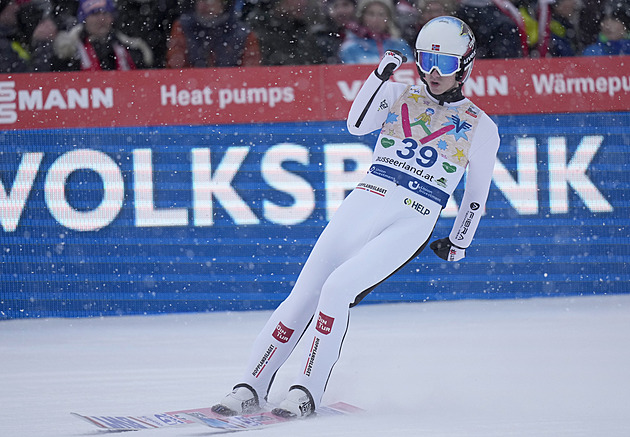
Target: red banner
{"points": [[293, 94]]}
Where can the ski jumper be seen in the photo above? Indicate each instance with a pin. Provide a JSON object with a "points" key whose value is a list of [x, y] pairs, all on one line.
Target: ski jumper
{"points": [[419, 158]]}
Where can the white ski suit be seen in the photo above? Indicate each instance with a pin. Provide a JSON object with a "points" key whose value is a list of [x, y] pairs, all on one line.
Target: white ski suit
{"points": [[419, 158]]}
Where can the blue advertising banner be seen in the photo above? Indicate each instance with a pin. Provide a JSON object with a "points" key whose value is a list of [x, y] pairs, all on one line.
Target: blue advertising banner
{"points": [[107, 221]]}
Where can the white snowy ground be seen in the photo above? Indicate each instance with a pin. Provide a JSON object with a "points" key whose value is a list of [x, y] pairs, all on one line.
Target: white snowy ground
{"points": [[540, 367]]}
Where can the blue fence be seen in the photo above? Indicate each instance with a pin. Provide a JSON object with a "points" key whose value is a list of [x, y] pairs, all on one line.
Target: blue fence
{"points": [[175, 219]]}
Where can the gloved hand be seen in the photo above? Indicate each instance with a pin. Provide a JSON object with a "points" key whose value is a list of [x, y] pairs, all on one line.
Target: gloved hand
{"points": [[447, 250], [392, 59]]}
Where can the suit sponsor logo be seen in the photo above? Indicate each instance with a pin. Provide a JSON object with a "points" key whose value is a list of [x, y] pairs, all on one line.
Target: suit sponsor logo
{"points": [[324, 323], [463, 229], [311, 357], [417, 206], [282, 333], [264, 360], [372, 189]]}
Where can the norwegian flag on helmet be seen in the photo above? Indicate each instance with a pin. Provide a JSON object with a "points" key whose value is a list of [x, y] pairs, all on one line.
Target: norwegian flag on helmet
{"points": [[435, 47]]}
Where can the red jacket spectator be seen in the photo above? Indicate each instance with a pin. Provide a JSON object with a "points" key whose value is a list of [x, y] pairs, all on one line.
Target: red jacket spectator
{"points": [[95, 45]]}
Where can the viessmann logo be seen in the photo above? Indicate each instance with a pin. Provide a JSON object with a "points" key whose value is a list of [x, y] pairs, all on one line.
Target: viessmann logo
{"points": [[13, 101]]}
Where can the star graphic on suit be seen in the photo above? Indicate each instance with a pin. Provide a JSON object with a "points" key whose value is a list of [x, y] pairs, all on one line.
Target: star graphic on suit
{"points": [[415, 96], [461, 127], [459, 155], [391, 118]]}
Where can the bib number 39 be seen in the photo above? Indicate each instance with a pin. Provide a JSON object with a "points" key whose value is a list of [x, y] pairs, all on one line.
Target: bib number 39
{"points": [[427, 155]]}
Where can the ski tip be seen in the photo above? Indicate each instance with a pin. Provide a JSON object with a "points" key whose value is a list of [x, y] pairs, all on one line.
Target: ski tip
{"points": [[100, 425], [87, 419], [122, 423]]}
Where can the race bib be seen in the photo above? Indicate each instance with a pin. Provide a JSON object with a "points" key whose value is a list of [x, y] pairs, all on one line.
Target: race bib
{"points": [[424, 146]]}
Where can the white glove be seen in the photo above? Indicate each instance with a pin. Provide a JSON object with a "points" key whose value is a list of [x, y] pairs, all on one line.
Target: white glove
{"points": [[65, 45], [392, 59]]}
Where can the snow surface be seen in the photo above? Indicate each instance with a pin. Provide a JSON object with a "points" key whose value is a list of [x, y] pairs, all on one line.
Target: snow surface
{"points": [[538, 367]]}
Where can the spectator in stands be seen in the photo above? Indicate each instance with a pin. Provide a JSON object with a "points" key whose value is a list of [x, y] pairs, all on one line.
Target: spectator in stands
{"points": [[564, 40], [377, 33], [37, 31], [406, 15], [211, 36], [65, 13], [614, 38], [284, 28], [12, 59], [589, 22], [496, 29], [150, 20], [94, 45], [430, 9], [425, 12], [340, 17]]}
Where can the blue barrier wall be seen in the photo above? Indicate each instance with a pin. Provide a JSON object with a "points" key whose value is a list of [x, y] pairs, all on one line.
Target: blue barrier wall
{"points": [[174, 219]]}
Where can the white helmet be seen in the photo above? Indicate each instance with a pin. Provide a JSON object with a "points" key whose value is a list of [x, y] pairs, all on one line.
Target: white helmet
{"points": [[448, 45]]}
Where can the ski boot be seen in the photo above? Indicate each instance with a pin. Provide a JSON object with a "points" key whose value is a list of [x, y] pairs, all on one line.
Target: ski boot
{"points": [[298, 404], [242, 400]]}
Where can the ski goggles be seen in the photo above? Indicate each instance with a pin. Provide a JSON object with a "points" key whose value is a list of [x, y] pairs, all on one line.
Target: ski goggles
{"points": [[446, 65]]}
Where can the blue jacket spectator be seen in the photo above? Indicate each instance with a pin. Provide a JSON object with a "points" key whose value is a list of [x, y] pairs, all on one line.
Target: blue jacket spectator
{"points": [[377, 33], [613, 39]]}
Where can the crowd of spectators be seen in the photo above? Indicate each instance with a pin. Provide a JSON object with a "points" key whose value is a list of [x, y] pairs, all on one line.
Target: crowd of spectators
{"points": [[76, 35]]}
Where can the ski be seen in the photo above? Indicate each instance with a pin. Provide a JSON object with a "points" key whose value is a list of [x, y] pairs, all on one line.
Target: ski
{"points": [[265, 418], [151, 421], [203, 416]]}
